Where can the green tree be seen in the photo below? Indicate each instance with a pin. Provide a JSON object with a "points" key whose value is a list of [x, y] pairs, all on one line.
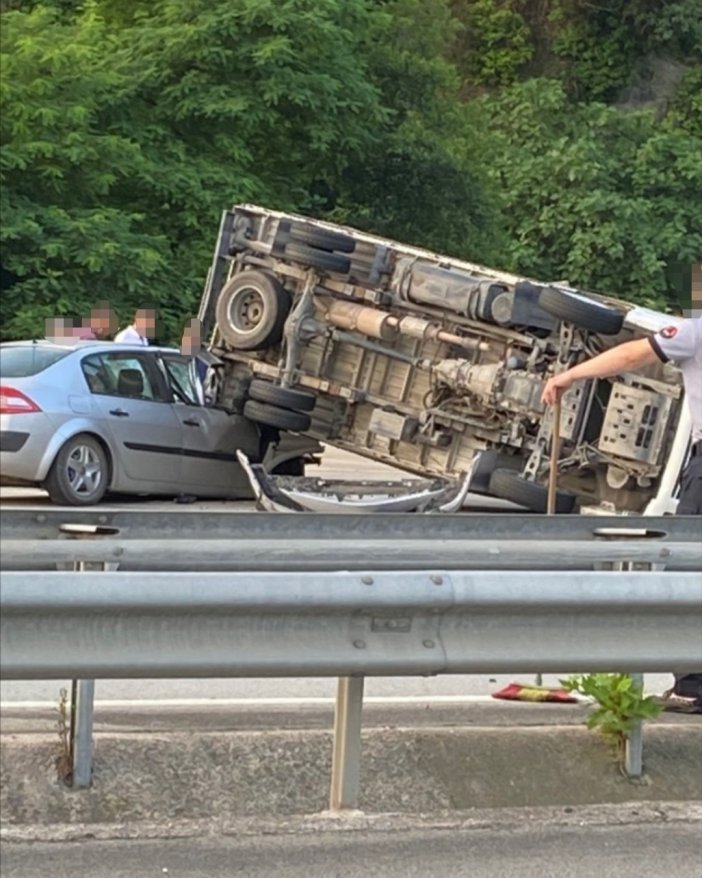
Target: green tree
{"points": [[608, 200], [122, 144]]}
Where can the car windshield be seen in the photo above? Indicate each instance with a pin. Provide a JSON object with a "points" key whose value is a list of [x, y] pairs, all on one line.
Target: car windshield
{"points": [[21, 361]]}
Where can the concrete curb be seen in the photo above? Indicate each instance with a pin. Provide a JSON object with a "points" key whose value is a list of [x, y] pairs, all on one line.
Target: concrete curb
{"points": [[512, 819], [159, 777]]}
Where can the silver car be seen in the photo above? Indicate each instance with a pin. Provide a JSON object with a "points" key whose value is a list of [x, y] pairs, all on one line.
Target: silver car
{"points": [[83, 418]]}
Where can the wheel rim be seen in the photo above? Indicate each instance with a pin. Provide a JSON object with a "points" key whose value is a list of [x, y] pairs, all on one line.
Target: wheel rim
{"points": [[84, 471], [246, 309]]}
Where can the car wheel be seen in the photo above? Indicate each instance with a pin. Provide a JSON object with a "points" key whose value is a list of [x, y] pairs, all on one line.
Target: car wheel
{"points": [[509, 485], [80, 473], [297, 400], [585, 313], [317, 258], [251, 311], [272, 416], [323, 239]]}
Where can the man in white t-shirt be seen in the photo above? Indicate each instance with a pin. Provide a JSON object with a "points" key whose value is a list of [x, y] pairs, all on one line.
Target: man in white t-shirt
{"points": [[140, 330], [680, 342]]}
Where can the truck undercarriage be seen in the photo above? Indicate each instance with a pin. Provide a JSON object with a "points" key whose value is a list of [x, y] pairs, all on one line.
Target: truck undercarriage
{"points": [[434, 365]]}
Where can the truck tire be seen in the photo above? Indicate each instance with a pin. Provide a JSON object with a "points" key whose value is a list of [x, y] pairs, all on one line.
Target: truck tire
{"points": [[284, 397], [490, 460], [272, 416], [322, 239], [251, 310], [509, 485], [583, 312], [317, 258]]}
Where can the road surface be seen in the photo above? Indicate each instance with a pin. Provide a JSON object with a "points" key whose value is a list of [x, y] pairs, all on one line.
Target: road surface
{"points": [[635, 851]]}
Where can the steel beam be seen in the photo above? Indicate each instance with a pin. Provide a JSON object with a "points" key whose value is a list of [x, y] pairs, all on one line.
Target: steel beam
{"points": [[58, 624], [43, 522], [348, 554]]}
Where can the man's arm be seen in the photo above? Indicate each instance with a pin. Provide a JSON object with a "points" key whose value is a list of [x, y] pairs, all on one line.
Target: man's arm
{"points": [[622, 358]]}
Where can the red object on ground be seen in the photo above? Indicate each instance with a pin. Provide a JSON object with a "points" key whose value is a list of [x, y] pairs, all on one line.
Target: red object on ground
{"points": [[523, 692]]}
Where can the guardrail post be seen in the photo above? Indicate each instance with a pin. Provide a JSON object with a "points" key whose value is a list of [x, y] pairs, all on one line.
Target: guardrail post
{"points": [[633, 746], [633, 743], [82, 702], [346, 757], [83, 691]]}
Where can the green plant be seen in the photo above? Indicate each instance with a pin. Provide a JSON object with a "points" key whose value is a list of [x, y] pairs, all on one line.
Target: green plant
{"points": [[621, 704]]}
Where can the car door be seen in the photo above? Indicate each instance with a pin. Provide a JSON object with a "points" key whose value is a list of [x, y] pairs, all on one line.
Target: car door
{"points": [[135, 408], [211, 436]]}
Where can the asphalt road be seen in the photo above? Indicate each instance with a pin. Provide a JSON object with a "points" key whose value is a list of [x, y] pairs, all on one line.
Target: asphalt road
{"points": [[634, 851]]}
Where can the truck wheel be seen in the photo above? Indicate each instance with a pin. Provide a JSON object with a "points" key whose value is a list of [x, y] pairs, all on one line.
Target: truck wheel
{"points": [[486, 464], [272, 416], [580, 310], [79, 473], [297, 400], [317, 258], [322, 239], [251, 311], [509, 485]]}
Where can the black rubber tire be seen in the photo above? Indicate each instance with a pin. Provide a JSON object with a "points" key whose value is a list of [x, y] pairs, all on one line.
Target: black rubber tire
{"points": [[251, 310], [583, 312], [317, 258], [272, 416], [284, 397], [509, 485], [63, 487], [490, 460], [322, 239]]}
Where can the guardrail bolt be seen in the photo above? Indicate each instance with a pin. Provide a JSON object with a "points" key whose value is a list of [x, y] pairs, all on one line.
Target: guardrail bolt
{"points": [[429, 644], [437, 580], [367, 580], [359, 644]]}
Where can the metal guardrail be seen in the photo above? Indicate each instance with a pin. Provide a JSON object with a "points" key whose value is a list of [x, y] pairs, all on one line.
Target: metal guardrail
{"points": [[42, 522], [347, 596], [96, 624], [302, 555]]}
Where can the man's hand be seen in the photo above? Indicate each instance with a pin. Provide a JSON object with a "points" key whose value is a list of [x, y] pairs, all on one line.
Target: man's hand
{"points": [[555, 387]]}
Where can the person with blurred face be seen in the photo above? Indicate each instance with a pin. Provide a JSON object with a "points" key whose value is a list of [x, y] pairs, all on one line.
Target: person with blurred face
{"points": [[102, 322], [191, 346], [142, 328]]}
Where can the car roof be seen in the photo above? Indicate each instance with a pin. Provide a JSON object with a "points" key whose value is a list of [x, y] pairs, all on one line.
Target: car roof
{"points": [[73, 345]]}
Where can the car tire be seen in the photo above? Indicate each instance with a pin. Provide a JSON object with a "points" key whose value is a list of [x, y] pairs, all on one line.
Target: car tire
{"points": [[322, 239], [251, 310], [80, 473], [321, 259], [509, 485], [272, 416], [585, 313], [284, 397]]}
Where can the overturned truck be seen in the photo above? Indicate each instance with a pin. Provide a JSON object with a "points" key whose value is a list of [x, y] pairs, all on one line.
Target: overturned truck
{"points": [[436, 366]]}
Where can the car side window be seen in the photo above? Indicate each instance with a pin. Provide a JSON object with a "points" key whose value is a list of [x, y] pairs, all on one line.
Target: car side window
{"points": [[179, 375], [120, 373]]}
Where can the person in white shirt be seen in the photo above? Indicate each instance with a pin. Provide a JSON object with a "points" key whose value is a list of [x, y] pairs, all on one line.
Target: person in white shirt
{"points": [[682, 343], [140, 330]]}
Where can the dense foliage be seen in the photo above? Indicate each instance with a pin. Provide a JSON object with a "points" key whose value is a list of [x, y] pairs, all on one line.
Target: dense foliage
{"points": [[558, 138]]}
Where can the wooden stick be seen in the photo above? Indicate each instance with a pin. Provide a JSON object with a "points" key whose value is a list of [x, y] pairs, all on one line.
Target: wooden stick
{"points": [[555, 449]]}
